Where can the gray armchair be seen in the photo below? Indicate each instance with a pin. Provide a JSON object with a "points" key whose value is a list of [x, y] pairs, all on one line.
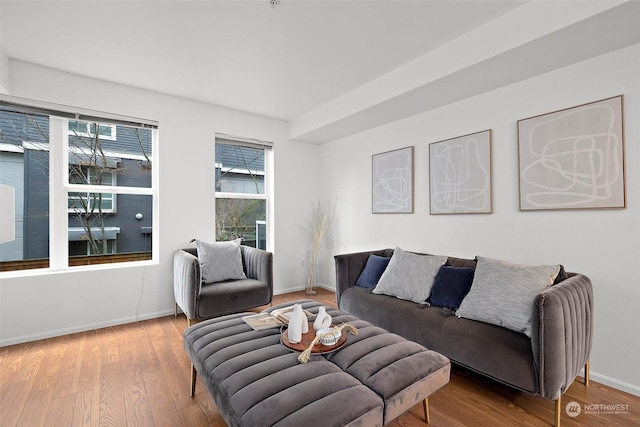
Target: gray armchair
{"points": [[205, 300]]}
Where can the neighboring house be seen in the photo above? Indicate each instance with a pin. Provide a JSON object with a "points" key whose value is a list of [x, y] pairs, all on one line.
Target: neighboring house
{"points": [[240, 193], [117, 223]]}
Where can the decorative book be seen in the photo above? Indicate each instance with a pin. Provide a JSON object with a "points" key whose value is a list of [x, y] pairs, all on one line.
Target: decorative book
{"points": [[275, 319]]}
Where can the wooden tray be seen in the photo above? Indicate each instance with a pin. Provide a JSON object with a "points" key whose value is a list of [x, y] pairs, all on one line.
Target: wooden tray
{"points": [[308, 338]]}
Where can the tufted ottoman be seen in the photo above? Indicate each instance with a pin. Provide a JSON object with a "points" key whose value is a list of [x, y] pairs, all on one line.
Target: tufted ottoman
{"points": [[256, 381]]}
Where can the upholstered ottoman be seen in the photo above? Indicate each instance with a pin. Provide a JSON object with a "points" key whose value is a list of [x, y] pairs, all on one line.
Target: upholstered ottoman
{"points": [[256, 381]]}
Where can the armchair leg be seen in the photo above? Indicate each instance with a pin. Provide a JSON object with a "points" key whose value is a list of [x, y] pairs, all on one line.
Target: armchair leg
{"points": [[193, 381], [558, 411], [425, 407], [188, 322], [175, 309], [586, 374]]}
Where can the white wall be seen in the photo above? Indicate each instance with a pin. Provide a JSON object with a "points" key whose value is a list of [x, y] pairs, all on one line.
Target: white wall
{"points": [[4, 72], [603, 244], [44, 305]]}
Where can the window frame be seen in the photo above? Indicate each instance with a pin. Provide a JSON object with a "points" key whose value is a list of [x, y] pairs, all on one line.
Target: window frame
{"points": [[60, 187], [87, 195], [267, 175]]}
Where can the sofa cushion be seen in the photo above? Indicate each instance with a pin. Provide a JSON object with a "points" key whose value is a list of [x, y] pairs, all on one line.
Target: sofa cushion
{"points": [[409, 276], [451, 285], [372, 271], [502, 293], [220, 261], [477, 345]]}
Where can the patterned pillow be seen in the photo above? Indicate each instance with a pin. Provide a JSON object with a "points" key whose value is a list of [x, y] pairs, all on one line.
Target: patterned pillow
{"points": [[502, 293], [220, 261], [409, 276]]}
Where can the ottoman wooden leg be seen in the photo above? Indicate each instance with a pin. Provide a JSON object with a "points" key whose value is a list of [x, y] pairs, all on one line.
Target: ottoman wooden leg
{"points": [[193, 380], [425, 406]]}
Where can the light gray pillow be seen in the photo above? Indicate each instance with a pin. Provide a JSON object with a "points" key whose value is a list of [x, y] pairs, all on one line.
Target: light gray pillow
{"points": [[220, 261], [502, 293], [409, 276]]}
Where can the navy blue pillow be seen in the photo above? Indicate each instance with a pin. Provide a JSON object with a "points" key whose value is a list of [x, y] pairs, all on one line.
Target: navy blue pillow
{"points": [[372, 271], [452, 284]]}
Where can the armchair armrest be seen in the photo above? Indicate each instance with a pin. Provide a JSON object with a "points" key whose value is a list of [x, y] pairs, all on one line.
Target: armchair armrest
{"points": [[561, 333], [186, 281], [258, 265]]}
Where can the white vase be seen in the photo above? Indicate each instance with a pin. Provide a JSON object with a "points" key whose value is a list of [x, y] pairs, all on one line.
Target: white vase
{"points": [[323, 319], [298, 325]]}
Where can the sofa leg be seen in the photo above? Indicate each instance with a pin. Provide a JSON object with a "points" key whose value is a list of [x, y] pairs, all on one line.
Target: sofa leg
{"points": [[586, 374], [425, 407], [558, 411], [193, 380]]}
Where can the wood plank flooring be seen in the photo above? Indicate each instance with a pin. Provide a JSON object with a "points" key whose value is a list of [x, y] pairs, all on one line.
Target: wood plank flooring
{"points": [[138, 375]]}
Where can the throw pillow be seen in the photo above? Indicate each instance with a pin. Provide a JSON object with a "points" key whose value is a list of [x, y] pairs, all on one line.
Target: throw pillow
{"points": [[502, 293], [409, 276], [372, 271], [451, 285], [220, 261]]}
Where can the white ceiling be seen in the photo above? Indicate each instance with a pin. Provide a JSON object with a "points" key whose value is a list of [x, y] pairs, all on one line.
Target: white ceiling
{"points": [[278, 62]]}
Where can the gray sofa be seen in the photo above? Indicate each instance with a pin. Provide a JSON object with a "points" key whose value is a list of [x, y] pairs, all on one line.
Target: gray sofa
{"points": [[200, 300], [545, 364]]}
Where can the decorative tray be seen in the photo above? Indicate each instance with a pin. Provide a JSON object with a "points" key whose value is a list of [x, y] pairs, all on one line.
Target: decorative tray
{"points": [[308, 338]]}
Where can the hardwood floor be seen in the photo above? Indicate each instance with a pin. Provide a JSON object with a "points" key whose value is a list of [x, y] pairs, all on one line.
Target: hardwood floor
{"points": [[138, 375]]}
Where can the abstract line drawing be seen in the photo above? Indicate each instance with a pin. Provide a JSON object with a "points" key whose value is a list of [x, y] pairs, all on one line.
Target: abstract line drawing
{"points": [[460, 174], [573, 158], [392, 181]]}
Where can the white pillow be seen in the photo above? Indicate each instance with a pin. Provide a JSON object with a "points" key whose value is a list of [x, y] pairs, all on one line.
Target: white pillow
{"points": [[409, 276], [502, 293], [220, 261]]}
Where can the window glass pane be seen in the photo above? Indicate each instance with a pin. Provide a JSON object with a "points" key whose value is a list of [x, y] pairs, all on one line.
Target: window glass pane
{"points": [[91, 203], [102, 237], [125, 158], [244, 218], [24, 190], [239, 169]]}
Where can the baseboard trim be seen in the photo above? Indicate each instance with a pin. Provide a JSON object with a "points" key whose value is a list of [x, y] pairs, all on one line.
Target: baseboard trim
{"points": [[614, 383], [81, 328], [302, 288]]}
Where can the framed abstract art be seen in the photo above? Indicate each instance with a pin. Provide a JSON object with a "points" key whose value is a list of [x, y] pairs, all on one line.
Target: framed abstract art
{"points": [[573, 158], [392, 181], [460, 174]]}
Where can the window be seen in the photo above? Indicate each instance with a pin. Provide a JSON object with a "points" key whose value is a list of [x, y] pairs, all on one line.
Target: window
{"points": [[88, 129], [242, 190], [92, 202], [72, 196]]}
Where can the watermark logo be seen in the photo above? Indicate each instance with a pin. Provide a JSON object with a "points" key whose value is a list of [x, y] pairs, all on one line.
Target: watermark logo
{"points": [[573, 409], [606, 409]]}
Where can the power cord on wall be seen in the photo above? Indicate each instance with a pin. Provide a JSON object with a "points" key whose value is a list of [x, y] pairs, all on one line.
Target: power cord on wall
{"points": [[144, 270]]}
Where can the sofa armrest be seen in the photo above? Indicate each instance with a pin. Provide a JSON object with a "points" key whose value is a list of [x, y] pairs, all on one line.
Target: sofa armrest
{"points": [[561, 333], [186, 281], [349, 267], [258, 265]]}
